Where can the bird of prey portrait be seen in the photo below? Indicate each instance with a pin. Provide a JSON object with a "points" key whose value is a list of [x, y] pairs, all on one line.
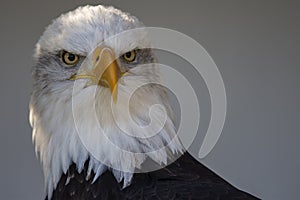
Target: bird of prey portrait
{"points": [[79, 74]]}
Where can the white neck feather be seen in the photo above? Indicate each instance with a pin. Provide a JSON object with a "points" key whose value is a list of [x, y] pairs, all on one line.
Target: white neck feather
{"points": [[60, 141]]}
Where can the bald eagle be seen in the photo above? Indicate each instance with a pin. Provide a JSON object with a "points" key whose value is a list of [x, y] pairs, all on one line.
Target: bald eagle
{"points": [[80, 73]]}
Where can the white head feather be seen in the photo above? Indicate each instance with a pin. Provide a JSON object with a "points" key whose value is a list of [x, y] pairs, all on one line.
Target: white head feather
{"points": [[54, 102]]}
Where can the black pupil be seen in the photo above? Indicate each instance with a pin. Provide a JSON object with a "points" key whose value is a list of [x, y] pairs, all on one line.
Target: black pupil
{"points": [[71, 57], [128, 55]]}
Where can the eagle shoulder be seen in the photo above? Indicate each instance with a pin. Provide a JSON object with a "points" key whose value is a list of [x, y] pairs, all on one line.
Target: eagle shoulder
{"points": [[186, 178]]}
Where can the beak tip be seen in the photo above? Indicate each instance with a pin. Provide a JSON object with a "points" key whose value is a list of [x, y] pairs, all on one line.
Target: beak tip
{"points": [[114, 94]]}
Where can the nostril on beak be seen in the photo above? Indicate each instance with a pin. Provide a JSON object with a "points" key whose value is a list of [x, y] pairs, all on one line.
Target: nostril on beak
{"points": [[97, 59]]}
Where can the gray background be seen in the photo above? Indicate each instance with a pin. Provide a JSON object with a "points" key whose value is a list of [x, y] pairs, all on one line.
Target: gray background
{"points": [[256, 46]]}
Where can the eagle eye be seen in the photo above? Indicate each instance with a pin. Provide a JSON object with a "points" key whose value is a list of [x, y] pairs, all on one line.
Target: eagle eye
{"points": [[129, 56], [69, 59]]}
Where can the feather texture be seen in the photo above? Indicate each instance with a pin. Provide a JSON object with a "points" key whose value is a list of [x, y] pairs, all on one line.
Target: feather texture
{"points": [[183, 179]]}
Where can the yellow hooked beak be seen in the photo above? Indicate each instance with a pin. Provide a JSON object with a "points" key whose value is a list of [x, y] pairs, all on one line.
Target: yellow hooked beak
{"points": [[105, 70]]}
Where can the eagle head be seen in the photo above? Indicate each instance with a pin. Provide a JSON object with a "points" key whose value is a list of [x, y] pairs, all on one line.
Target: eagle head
{"points": [[95, 97]]}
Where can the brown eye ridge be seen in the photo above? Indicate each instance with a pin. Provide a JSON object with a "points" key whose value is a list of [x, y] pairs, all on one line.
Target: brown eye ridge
{"points": [[129, 56], [69, 59]]}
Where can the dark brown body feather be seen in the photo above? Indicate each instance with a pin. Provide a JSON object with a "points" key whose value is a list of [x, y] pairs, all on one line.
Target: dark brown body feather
{"points": [[184, 179]]}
